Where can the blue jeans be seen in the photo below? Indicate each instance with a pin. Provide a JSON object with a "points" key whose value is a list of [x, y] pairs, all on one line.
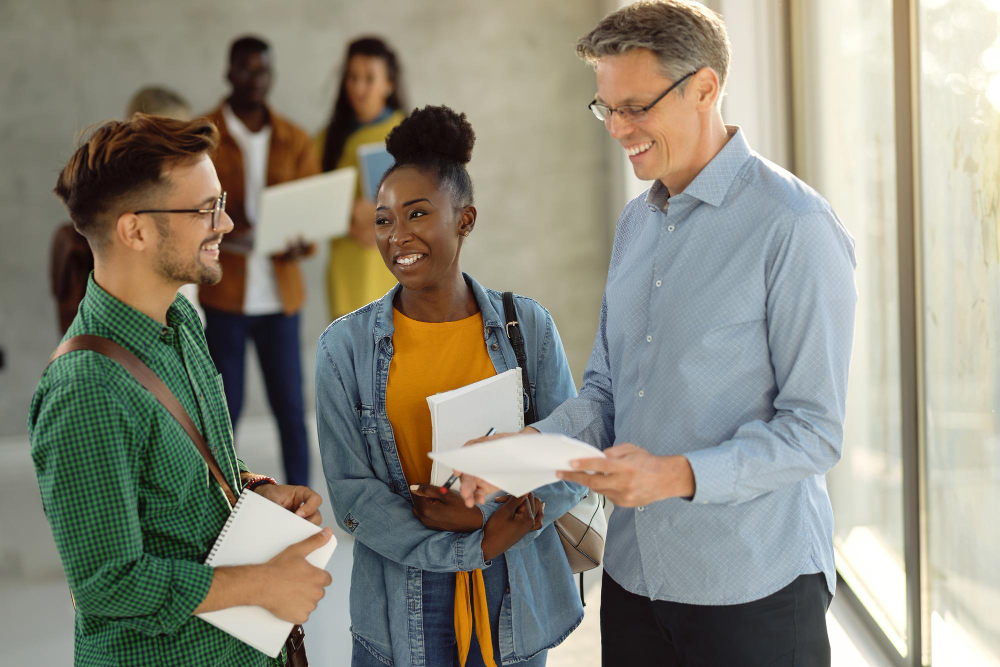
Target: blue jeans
{"points": [[440, 645], [276, 338]]}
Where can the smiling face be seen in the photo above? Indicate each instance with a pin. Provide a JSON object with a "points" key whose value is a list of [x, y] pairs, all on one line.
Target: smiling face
{"points": [[187, 250], [368, 86], [661, 146], [418, 230]]}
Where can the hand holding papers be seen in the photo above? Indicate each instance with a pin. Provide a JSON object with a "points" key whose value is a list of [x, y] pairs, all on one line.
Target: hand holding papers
{"points": [[520, 463]]}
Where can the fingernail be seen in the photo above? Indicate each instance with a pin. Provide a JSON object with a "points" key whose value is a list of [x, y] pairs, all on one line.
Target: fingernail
{"points": [[414, 487], [300, 512], [574, 464], [559, 475]]}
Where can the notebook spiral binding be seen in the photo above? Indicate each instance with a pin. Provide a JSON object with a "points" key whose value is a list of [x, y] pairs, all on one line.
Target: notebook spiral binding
{"points": [[225, 528]]}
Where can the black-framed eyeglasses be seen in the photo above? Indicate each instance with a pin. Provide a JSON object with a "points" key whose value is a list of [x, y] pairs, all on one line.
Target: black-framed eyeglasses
{"points": [[633, 112], [216, 211]]}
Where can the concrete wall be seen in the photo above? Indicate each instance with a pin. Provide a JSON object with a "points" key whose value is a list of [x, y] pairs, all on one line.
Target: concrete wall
{"points": [[540, 164]]}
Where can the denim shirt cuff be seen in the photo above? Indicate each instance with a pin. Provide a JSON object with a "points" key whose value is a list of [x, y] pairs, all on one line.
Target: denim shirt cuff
{"points": [[469, 552], [714, 475]]}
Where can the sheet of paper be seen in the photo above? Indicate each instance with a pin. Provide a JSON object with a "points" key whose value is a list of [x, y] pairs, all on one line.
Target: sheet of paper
{"points": [[468, 412], [519, 463]]}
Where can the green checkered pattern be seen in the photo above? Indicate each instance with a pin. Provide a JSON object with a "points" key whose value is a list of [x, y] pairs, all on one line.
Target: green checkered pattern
{"points": [[133, 508]]}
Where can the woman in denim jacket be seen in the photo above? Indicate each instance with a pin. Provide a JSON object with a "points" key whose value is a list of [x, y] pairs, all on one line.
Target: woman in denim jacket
{"points": [[435, 583]]}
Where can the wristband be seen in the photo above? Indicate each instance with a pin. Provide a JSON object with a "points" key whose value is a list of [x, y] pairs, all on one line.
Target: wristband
{"points": [[258, 481]]}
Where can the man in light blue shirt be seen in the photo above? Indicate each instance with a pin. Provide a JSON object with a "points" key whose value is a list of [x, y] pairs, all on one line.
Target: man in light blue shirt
{"points": [[722, 354]]}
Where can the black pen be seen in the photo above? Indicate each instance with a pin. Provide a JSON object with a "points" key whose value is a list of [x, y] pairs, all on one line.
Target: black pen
{"points": [[454, 478]]}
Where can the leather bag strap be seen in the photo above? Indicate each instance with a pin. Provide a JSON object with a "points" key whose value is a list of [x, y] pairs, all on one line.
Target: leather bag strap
{"points": [[513, 330], [145, 376]]}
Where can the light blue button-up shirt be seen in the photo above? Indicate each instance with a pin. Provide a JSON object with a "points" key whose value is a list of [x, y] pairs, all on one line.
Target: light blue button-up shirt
{"points": [[725, 335]]}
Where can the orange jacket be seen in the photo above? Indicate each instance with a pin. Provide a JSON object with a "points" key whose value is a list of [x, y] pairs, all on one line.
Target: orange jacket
{"points": [[290, 156]]}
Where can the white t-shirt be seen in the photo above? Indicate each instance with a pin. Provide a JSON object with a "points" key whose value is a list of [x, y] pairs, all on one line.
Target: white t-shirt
{"points": [[261, 296]]}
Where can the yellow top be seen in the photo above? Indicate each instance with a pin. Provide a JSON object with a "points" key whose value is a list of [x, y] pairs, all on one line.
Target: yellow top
{"points": [[356, 274], [428, 358]]}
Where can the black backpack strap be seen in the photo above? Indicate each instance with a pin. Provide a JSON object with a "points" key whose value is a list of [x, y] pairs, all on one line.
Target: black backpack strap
{"points": [[513, 330]]}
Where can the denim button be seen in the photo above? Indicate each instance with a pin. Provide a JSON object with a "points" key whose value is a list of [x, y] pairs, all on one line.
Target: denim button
{"points": [[495, 347], [659, 283], [641, 508], [641, 393], [671, 228]]}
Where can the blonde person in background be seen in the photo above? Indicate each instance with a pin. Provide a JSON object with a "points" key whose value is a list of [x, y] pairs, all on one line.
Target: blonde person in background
{"points": [[368, 106]]}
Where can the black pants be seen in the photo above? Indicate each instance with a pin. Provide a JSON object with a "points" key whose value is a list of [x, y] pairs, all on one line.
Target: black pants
{"points": [[787, 628]]}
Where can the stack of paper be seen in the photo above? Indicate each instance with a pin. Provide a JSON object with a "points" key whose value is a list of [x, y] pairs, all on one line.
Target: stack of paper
{"points": [[519, 463], [467, 413]]}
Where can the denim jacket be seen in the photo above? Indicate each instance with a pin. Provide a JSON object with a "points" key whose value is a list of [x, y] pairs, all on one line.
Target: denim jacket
{"points": [[371, 498]]}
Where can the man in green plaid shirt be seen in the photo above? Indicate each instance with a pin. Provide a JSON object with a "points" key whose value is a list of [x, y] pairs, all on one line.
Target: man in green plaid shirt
{"points": [[133, 508]]}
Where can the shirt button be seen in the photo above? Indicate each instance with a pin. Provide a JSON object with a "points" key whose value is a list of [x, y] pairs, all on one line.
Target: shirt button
{"points": [[649, 339], [640, 393], [659, 283], [495, 347], [641, 508], [670, 228]]}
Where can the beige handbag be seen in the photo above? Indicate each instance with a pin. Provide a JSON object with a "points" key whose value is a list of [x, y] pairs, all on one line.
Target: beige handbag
{"points": [[582, 530]]}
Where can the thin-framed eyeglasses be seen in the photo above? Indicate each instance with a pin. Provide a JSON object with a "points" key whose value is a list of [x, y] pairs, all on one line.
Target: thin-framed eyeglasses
{"points": [[633, 112], [216, 211]]}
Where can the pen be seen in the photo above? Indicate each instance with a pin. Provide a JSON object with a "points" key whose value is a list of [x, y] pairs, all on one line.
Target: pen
{"points": [[453, 478]]}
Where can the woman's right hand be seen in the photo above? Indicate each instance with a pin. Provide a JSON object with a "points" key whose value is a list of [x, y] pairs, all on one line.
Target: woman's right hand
{"points": [[517, 518]]}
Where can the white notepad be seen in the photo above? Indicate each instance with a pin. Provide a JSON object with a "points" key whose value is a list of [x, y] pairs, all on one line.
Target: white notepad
{"points": [[468, 412], [520, 463], [257, 531]]}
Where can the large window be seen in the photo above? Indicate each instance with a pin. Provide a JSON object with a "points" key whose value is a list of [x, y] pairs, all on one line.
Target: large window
{"points": [[959, 213], [897, 123], [845, 148]]}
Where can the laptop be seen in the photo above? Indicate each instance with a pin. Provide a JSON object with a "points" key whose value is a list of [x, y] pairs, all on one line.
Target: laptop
{"points": [[313, 208]]}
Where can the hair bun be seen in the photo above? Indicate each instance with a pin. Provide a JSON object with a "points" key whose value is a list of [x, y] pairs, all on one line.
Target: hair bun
{"points": [[429, 133]]}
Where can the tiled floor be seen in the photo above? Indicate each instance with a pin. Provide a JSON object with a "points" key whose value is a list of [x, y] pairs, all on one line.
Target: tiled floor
{"points": [[38, 616]]}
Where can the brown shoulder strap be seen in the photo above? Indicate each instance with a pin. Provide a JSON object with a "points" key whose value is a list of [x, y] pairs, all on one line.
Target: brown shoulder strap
{"points": [[151, 381]]}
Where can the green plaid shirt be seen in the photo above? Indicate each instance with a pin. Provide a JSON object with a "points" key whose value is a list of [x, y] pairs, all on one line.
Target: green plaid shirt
{"points": [[133, 508]]}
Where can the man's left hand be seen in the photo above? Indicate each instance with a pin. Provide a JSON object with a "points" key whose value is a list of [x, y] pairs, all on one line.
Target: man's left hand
{"points": [[630, 476], [299, 499]]}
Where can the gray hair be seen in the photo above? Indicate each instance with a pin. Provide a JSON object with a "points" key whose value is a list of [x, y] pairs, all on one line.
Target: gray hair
{"points": [[684, 36]]}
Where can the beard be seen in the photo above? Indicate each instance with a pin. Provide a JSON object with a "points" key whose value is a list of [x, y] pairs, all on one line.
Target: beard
{"points": [[175, 266]]}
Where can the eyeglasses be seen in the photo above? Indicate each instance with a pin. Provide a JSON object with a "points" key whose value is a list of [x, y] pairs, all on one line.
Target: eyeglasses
{"points": [[216, 211], [632, 113]]}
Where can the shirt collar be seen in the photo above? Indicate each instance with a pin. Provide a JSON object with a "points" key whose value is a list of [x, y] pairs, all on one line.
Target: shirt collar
{"points": [[134, 329], [714, 180]]}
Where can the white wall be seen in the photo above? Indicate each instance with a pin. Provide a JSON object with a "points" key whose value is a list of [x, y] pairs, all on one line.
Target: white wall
{"points": [[539, 166]]}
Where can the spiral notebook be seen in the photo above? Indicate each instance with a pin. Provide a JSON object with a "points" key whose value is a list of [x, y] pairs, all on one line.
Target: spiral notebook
{"points": [[468, 412], [257, 531]]}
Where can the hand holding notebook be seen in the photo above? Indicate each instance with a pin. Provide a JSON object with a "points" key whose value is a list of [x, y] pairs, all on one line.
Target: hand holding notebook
{"points": [[257, 531]]}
